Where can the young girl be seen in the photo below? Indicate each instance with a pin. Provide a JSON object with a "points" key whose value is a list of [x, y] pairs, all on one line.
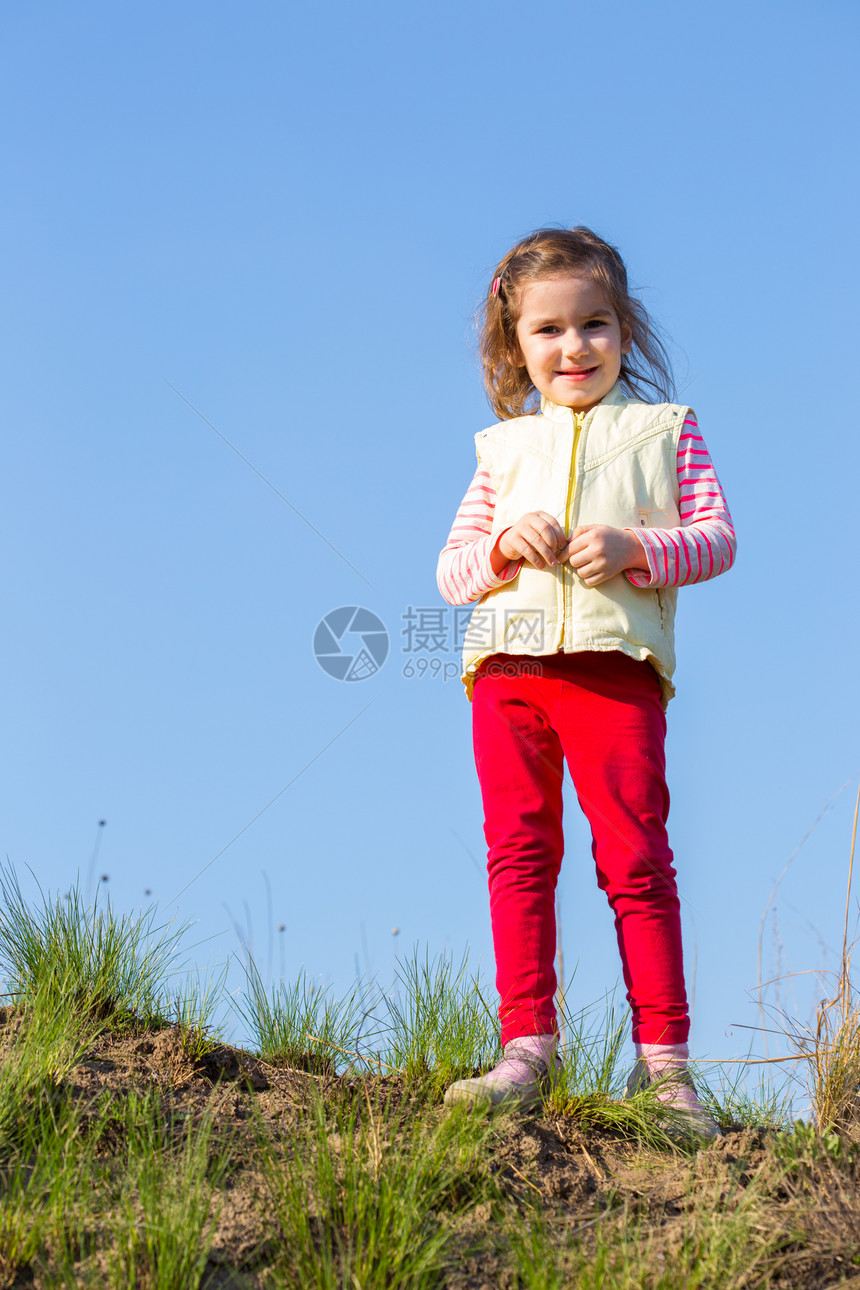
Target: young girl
{"points": [[579, 525]]}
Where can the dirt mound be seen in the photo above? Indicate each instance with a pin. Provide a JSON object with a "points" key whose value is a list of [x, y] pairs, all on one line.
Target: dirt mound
{"points": [[584, 1186]]}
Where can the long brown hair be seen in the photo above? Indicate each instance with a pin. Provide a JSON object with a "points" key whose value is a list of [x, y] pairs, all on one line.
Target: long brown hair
{"points": [[553, 253]]}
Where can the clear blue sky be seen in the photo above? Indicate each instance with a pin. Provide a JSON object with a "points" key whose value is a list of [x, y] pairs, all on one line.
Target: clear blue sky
{"points": [[288, 213]]}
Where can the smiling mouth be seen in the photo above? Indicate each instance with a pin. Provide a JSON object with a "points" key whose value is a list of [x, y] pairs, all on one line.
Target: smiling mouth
{"points": [[578, 374]]}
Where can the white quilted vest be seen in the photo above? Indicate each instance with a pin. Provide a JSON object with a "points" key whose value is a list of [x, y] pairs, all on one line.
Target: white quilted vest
{"points": [[614, 465]]}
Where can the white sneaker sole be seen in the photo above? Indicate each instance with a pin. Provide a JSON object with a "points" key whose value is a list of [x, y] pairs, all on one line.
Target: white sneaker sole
{"points": [[499, 1093]]}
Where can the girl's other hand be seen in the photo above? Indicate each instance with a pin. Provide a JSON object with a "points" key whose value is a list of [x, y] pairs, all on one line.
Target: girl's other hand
{"points": [[535, 538], [598, 552]]}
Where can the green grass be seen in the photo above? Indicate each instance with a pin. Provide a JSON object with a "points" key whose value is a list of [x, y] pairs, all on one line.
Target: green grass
{"points": [[49, 1040], [589, 1089], [114, 967], [301, 1025], [42, 1178], [594, 1042], [744, 1102], [724, 1245], [442, 1026], [360, 1195], [43, 1159], [163, 1223]]}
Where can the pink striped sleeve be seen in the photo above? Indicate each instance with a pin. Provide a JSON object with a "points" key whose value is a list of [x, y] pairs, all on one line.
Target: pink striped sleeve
{"points": [[464, 572], [705, 544]]}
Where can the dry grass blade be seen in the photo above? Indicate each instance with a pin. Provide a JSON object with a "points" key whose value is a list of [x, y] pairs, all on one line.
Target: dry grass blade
{"points": [[352, 1052], [826, 808], [832, 1051], [598, 1172], [837, 1036], [846, 961]]}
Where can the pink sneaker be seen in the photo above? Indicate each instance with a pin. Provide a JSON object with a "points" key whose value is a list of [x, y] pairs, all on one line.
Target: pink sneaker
{"points": [[519, 1081], [676, 1090]]}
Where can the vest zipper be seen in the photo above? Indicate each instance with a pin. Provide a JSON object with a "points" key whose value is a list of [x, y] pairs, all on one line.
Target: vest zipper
{"points": [[578, 418], [567, 575]]}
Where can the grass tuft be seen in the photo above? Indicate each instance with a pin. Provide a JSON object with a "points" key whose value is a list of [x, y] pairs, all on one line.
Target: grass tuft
{"points": [[302, 1025], [442, 1027], [595, 1037], [112, 966], [48, 1039]]}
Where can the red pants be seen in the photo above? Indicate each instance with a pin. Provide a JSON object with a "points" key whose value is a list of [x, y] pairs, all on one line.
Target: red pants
{"points": [[602, 713]]}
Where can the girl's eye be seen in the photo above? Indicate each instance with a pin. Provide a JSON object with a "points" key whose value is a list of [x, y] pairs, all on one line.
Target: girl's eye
{"points": [[549, 329], [596, 322]]}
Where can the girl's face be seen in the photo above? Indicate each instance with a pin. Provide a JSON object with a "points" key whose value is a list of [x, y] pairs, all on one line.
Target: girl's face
{"points": [[570, 340]]}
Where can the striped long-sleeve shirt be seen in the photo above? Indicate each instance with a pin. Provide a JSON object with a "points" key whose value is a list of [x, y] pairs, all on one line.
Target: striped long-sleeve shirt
{"points": [[701, 548]]}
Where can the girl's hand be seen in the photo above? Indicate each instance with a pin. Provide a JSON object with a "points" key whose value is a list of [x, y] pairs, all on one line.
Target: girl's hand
{"points": [[598, 552], [535, 538]]}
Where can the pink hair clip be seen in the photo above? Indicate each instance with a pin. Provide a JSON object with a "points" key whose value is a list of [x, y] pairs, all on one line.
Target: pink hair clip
{"points": [[497, 282]]}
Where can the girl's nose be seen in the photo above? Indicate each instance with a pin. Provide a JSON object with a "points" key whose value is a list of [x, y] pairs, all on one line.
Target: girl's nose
{"points": [[575, 344]]}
